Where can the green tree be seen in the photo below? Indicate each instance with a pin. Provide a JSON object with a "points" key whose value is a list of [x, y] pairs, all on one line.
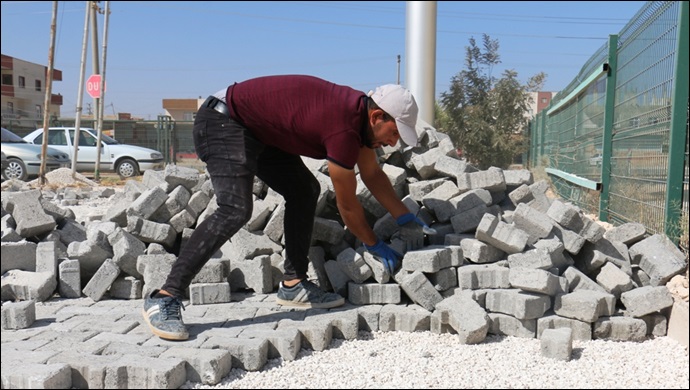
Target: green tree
{"points": [[485, 116]]}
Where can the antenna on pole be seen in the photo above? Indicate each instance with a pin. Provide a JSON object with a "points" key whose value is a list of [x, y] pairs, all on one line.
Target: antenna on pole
{"points": [[398, 69]]}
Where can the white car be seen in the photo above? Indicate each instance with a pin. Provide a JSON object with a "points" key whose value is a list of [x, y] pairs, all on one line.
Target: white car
{"points": [[125, 160]]}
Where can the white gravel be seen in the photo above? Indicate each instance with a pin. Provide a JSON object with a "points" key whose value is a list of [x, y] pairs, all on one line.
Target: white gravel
{"points": [[426, 360]]}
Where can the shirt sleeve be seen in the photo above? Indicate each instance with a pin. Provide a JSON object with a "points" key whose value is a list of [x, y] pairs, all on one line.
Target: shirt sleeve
{"points": [[343, 148]]}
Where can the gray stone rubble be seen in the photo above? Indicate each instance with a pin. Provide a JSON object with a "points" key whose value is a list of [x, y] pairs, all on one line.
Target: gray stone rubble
{"points": [[508, 260]]}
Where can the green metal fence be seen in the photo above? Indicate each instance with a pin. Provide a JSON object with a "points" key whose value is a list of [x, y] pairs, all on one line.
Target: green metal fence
{"points": [[615, 141]]}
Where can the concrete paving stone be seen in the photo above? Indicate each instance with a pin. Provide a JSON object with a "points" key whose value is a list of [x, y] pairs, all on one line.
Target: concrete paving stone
{"points": [[207, 366], [247, 354], [316, 333], [118, 349], [19, 375], [141, 372]]}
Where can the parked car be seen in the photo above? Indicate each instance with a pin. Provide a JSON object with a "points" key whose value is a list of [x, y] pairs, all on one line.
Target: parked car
{"points": [[24, 158], [125, 160]]}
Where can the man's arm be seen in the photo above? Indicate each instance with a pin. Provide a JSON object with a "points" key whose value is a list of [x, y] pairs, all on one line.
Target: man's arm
{"points": [[378, 183], [345, 185]]}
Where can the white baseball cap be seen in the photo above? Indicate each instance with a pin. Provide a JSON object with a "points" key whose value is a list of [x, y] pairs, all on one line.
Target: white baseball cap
{"points": [[399, 103]]}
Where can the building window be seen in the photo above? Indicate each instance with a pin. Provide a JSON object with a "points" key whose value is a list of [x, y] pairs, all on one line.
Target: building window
{"points": [[543, 100], [7, 79], [188, 116], [39, 111], [21, 82], [38, 85]]}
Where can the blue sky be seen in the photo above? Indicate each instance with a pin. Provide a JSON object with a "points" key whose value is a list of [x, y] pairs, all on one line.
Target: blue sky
{"points": [[182, 50]]}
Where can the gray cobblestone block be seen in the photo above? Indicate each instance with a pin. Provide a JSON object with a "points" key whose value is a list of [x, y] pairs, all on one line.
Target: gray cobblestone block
{"points": [[210, 209], [438, 201], [209, 293], [212, 272], [577, 280], [419, 289], [152, 178], [583, 305], [533, 258], [368, 317], [47, 257], [317, 334], [148, 202], [659, 258], [343, 319], [282, 343], [90, 255], [481, 276], [101, 281], [126, 287], [411, 318], [155, 269], [19, 375], [444, 279], [25, 285], [557, 343], [613, 280], [535, 280], [197, 204], [208, 366], [337, 277], [274, 228], [58, 213], [656, 324], [468, 221], [255, 273], [428, 260], [450, 167], [151, 232], [619, 328], [327, 230], [522, 194], [572, 242], [581, 330], [117, 212], [247, 354], [373, 293], [71, 231], [182, 220], [247, 245], [491, 179], [176, 202], [519, 304], [378, 272], [317, 270], [466, 317], [424, 163], [456, 238], [503, 236], [18, 315], [142, 372], [418, 190], [517, 177], [533, 222], [69, 279], [179, 175], [479, 252], [566, 215], [28, 214], [19, 255], [504, 324], [646, 300], [628, 233], [126, 250], [354, 266]]}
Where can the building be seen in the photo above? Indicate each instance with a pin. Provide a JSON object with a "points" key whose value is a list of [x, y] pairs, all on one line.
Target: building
{"points": [[23, 93], [539, 101], [182, 109]]}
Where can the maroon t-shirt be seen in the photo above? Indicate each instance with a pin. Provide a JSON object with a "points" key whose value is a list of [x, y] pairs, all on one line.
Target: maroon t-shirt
{"points": [[302, 115]]}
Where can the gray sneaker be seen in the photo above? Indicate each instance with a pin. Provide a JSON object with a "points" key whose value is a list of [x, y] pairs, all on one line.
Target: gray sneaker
{"points": [[164, 317], [307, 294]]}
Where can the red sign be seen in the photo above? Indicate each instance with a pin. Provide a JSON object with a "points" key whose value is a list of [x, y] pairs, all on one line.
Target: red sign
{"points": [[93, 86]]}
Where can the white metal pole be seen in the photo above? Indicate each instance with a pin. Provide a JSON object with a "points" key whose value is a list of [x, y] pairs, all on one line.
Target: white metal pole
{"points": [[49, 91], [80, 92], [97, 173], [420, 56]]}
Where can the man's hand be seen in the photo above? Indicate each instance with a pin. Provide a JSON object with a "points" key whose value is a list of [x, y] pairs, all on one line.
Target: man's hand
{"points": [[388, 257], [412, 230]]}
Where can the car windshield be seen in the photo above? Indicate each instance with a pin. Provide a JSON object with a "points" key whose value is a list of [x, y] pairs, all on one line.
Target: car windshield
{"points": [[11, 138], [108, 140]]}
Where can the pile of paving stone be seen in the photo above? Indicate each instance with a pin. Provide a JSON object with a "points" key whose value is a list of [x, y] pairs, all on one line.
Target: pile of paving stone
{"points": [[507, 258]]}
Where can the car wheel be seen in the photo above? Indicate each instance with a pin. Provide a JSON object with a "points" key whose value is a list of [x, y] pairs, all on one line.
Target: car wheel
{"points": [[15, 170], [127, 168]]}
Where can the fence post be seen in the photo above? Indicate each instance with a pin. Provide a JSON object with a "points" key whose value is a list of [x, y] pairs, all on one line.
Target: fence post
{"points": [[678, 136], [607, 141]]}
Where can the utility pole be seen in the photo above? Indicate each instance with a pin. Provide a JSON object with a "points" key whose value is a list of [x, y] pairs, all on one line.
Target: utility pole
{"points": [[49, 91], [97, 172], [80, 93], [398, 82]]}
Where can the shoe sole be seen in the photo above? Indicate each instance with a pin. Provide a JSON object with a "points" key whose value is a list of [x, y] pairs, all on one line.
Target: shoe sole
{"points": [[309, 305], [163, 334]]}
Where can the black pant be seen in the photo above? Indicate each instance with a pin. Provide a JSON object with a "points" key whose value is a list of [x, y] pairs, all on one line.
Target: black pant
{"points": [[233, 157]]}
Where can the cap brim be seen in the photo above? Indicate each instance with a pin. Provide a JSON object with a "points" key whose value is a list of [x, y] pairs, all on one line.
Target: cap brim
{"points": [[407, 133]]}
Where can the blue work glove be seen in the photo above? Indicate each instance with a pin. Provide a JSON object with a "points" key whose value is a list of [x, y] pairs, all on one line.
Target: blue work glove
{"points": [[388, 257], [412, 230]]}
